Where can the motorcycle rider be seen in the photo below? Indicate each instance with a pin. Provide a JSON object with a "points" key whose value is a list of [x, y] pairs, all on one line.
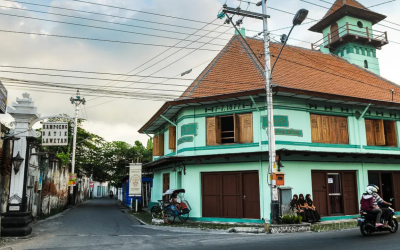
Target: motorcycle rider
{"points": [[379, 200], [368, 195]]}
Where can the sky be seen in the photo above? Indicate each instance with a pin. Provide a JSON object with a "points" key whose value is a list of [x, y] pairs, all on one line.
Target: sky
{"points": [[119, 119]]}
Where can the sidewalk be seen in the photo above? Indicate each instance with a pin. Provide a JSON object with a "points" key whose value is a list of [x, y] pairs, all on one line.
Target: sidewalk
{"points": [[145, 218]]}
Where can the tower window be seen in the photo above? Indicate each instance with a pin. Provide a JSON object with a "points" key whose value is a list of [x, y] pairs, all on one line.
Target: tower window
{"points": [[360, 24], [368, 53], [366, 64], [362, 51], [357, 51]]}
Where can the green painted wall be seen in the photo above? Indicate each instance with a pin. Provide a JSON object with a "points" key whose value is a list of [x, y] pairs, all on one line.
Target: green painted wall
{"points": [[298, 112], [297, 176]]}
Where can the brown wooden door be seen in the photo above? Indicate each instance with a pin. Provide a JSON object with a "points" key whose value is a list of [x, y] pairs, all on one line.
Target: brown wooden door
{"points": [[213, 130], [231, 195], [211, 194], [319, 190], [165, 185], [379, 133], [396, 195], [390, 133], [334, 32], [350, 193], [251, 196]]}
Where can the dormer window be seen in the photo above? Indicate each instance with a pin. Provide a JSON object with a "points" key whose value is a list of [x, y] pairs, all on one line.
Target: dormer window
{"points": [[360, 24]]}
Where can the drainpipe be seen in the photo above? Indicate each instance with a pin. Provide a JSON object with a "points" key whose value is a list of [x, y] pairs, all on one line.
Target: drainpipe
{"points": [[259, 114], [176, 133], [358, 124]]}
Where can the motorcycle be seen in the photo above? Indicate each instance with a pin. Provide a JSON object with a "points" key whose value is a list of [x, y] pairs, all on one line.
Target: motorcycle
{"points": [[367, 222], [111, 195]]}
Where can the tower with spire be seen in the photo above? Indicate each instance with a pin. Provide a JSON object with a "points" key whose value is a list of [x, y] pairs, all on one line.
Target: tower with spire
{"points": [[347, 32]]}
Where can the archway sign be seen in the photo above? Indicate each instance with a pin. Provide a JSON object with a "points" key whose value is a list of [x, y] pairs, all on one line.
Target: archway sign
{"points": [[53, 133]]}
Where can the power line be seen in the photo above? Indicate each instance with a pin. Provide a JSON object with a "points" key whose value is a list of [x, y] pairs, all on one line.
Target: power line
{"points": [[107, 15], [104, 28], [140, 11], [161, 54], [91, 19], [100, 40], [178, 59]]}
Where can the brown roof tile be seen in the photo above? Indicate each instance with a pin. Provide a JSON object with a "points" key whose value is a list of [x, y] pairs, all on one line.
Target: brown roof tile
{"points": [[339, 3], [236, 69]]}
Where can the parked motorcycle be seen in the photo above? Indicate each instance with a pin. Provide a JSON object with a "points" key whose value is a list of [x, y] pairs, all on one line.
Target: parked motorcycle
{"points": [[367, 222]]}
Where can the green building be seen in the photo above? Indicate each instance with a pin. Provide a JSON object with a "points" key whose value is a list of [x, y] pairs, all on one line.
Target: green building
{"points": [[335, 123]]}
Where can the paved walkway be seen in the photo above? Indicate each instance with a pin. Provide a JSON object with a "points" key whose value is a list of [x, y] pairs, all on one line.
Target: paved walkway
{"points": [[100, 224]]}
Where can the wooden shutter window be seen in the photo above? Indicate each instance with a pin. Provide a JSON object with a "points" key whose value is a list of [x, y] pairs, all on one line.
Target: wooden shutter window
{"points": [[316, 133], [379, 133], [391, 134], [155, 146], [172, 137], [245, 125], [161, 144], [343, 130], [213, 130], [329, 129], [370, 131], [325, 129], [333, 131]]}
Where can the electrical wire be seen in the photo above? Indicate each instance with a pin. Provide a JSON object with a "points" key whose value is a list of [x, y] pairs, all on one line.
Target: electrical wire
{"points": [[110, 29], [97, 20], [140, 11], [100, 40], [107, 15]]}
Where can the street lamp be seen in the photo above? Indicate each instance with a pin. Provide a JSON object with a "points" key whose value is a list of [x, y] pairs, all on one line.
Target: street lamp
{"points": [[300, 16], [17, 161]]}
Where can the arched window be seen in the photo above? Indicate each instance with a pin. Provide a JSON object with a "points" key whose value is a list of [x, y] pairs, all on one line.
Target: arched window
{"points": [[366, 64], [360, 24]]}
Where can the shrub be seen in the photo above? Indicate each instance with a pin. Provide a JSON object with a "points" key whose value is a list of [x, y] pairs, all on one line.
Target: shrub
{"points": [[290, 219]]}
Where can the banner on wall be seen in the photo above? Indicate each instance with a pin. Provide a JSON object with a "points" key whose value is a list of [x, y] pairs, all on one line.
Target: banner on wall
{"points": [[72, 180], [135, 179]]}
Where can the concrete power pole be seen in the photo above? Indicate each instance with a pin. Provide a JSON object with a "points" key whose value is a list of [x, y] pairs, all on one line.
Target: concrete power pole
{"points": [[270, 109], [268, 87], [76, 101]]}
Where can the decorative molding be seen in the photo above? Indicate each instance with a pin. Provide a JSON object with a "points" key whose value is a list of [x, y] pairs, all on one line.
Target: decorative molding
{"points": [[291, 132], [189, 129], [279, 121], [15, 197], [185, 139]]}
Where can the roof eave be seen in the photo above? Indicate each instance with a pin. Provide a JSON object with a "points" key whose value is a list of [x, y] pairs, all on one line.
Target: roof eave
{"points": [[196, 100], [347, 10]]}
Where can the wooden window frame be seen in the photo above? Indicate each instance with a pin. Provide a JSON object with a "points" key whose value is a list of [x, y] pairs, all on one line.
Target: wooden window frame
{"points": [[214, 126], [329, 129], [385, 129]]}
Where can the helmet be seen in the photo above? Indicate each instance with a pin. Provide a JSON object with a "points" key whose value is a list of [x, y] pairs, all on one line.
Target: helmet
{"points": [[375, 186], [371, 189]]}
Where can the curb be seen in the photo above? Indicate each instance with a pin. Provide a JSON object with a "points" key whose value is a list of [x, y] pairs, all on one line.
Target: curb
{"points": [[140, 221]]}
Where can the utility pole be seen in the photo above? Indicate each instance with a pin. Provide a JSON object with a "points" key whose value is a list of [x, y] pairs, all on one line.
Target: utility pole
{"points": [[300, 16], [270, 114], [76, 101]]}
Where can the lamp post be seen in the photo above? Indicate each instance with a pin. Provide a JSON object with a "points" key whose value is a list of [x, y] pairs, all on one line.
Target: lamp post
{"points": [[16, 162], [300, 16], [76, 101]]}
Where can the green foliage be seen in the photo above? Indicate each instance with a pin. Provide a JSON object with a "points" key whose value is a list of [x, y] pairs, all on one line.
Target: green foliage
{"points": [[290, 219], [105, 161]]}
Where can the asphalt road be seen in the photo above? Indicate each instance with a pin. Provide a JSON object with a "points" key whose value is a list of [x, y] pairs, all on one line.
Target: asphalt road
{"points": [[100, 224]]}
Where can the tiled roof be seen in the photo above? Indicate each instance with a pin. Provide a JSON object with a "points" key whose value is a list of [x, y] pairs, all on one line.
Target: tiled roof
{"points": [[236, 69], [339, 3]]}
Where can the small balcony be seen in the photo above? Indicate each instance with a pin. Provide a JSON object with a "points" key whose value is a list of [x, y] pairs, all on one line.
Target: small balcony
{"points": [[352, 33]]}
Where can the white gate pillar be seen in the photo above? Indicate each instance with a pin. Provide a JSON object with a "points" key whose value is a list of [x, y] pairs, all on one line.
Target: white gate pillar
{"points": [[23, 112]]}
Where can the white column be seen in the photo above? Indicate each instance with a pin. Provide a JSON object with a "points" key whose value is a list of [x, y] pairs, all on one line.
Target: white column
{"points": [[23, 112]]}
